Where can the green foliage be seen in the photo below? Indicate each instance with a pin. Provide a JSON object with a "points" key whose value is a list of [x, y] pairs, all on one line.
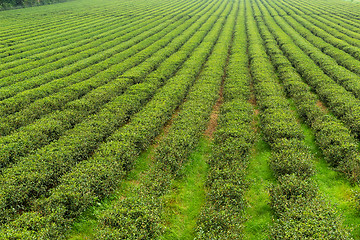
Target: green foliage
{"points": [[135, 219], [222, 216], [334, 139], [50, 127], [86, 86], [174, 150], [300, 210], [83, 187], [309, 218], [291, 157], [8, 4], [290, 189], [220, 223]]}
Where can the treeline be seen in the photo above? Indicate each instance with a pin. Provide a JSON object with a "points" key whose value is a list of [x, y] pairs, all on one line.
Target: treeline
{"points": [[9, 4]]}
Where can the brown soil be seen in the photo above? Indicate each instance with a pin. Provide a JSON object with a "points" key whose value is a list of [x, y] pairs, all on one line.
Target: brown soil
{"points": [[166, 127], [252, 100], [134, 182], [254, 121], [322, 106], [209, 132]]}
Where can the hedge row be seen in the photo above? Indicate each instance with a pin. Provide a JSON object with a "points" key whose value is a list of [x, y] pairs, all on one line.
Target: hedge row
{"points": [[67, 52], [76, 63], [80, 69], [93, 179], [112, 53], [339, 25], [13, 53], [54, 125], [338, 146], [333, 17], [327, 10], [334, 139], [53, 51], [47, 43], [342, 103], [15, 39], [58, 157], [345, 9], [46, 38], [340, 52], [326, 42], [69, 12], [40, 27], [183, 136], [325, 55], [102, 75], [301, 211], [117, 29], [43, 22], [222, 215], [330, 35], [278, 122]]}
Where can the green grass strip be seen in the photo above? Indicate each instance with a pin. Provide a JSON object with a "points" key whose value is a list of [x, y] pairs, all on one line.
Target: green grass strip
{"points": [[258, 213], [188, 195], [336, 188], [86, 226], [333, 185]]}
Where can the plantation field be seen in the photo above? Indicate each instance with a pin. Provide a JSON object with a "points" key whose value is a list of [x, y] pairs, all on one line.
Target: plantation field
{"points": [[183, 119]]}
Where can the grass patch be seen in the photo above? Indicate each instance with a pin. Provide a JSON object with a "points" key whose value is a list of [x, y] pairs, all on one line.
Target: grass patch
{"points": [[87, 224], [187, 195], [334, 185], [258, 212]]}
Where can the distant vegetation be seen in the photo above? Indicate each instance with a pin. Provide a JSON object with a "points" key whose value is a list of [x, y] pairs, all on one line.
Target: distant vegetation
{"points": [[8, 4], [180, 119]]}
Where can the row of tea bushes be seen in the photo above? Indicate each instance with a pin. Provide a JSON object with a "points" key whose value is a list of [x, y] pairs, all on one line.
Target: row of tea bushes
{"points": [[300, 209], [335, 140], [52, 126], [34, 103], [222, 215], [174, 149], [342, 103], [93, 179]]}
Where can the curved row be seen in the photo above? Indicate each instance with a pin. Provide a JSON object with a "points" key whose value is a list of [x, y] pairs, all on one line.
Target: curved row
{"points": [[327, 34], [342, 103], [68, 21], [55, 58], [174, 149], [119, 109], [320, 53], [300, 209], [70, 45], [350, 14], [75, 62], [69, 36], [332, 22], [222, 215], [97, 67], [125, 145], [335, 140], [52, 126]]}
